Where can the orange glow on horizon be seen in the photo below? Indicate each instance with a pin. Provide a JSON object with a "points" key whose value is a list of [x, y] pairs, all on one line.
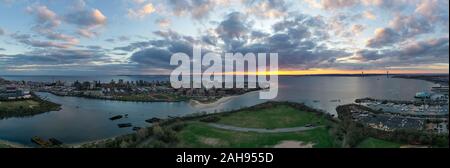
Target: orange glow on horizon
{"points": [[336, 71]]}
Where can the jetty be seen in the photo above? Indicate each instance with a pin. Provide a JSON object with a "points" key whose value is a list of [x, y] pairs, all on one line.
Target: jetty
{"points": [[41, 142], [55, 142]]}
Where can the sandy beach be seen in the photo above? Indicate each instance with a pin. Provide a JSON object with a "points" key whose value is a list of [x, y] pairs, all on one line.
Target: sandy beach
{"points": [[197, 104]]}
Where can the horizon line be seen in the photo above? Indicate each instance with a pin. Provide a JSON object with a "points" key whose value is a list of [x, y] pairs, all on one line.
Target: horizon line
{"points": [[324, 74]]}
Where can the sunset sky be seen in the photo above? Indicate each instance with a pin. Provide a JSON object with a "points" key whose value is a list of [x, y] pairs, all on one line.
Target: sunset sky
{"points": [[137, 37]]}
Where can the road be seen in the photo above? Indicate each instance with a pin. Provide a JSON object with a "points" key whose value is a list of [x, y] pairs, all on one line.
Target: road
{"points": [[261, 130]]}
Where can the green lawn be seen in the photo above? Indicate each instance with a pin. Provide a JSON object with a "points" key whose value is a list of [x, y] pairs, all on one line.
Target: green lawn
{"points": [[377, 143], [4, 145], [21, 108], [281, 116], [17, 105], [197, 134]]}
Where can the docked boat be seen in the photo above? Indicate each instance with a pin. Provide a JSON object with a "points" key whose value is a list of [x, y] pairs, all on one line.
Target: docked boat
{"points": [[335, 100], [124, 125], [136, 128], [116, 117], [153, 120]]}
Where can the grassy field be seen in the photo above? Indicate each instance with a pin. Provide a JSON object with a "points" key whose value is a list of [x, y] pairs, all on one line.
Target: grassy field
{"points": [[200, 134], [17, 105], [197, 134], [377, 143], [21, 108], [282, 116], [196, 131], [4, 145]]}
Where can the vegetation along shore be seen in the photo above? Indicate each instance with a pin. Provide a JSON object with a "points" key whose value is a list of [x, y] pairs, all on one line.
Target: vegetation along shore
{"points": [[26, 107], [271, 124]]}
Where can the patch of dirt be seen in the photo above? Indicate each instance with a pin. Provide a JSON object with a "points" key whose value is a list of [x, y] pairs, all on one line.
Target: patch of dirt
{"points": [[293, 144], [414, 146], [210, 141]]}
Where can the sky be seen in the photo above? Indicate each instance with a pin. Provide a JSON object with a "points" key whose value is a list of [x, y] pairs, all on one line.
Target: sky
{"points": [[138, 37]]}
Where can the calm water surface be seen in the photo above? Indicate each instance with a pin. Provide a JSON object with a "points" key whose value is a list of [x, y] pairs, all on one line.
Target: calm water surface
{"points": [[83, 119]]}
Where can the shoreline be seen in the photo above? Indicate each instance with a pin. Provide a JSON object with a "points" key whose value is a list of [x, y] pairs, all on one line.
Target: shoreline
{"points": [[193, 103], [80, 144], [436, 79], [198, 104], [13, 144], [117, 99], [43, 106]]}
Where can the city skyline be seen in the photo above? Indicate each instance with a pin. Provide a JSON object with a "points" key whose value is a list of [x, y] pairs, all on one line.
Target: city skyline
{"points": [[137, 37]]}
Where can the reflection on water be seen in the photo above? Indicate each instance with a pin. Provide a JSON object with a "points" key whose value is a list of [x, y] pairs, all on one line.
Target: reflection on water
{"points": [[88, 119]]}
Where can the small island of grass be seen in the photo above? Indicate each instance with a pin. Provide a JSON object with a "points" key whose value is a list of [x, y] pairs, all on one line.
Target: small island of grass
{"points": [[4, 145], [26, 107]]}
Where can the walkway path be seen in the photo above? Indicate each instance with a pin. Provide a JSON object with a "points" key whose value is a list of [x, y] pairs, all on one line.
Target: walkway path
{"points": [[261, 130]]}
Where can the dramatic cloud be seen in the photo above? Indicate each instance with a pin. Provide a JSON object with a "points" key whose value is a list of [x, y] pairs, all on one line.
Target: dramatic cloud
{"points": [[53, 35], [267, 9], [409, 26], [163, 22], [133, 46], [87, 18], [197, 9], [426, 52], [368, 55], [123, 38], [145, 10], [437, 49], [28, 41], [436, 11], [387, 4], [357, 29], [341, 4], [152, 56], [383, 37], [296, 40], [87, 21], [335, 4], [401, 28], [139, 1], [233, 29], [46, 23], [157, 53], [308, 34], [45, 17], [111, 40], [55, 57], [369, 15]]}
